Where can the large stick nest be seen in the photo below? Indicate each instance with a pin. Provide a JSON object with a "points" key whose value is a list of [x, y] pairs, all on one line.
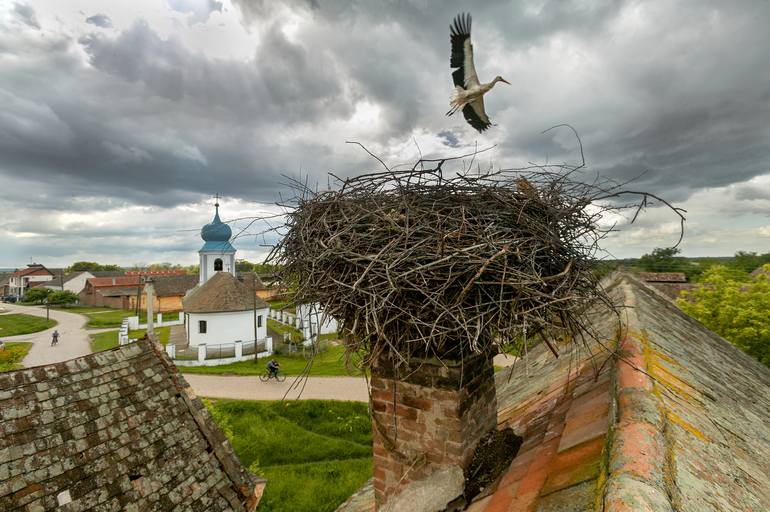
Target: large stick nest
{"points": [[419, 265]]}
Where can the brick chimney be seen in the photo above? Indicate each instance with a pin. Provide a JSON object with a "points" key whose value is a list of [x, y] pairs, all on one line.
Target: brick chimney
{"points": [[426, 424]]}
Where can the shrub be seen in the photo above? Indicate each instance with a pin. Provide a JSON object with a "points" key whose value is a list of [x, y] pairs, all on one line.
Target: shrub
{"points": [[734, 309], [63, 297], [37, 295]]}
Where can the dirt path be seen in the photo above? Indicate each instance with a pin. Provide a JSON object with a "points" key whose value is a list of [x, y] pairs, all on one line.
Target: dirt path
{"points": [[73, 338], [250, 388]]}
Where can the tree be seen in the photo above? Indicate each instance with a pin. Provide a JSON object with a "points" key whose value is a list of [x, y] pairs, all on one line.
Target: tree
{"points": [[244, 266], [747, 261], [37, 295], [661, 260], [63, 297], [90, 266], [736, 310]]}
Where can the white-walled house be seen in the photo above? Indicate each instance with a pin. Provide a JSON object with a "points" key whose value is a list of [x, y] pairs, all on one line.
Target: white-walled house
{"points": [[222, 309], [22, 280], [74, 282]]}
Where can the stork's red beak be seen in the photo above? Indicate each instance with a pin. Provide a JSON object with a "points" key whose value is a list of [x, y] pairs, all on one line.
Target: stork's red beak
{"points": [[505, 81]]}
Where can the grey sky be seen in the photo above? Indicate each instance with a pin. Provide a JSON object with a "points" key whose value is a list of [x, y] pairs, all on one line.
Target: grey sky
{"points": [[121, 119]]}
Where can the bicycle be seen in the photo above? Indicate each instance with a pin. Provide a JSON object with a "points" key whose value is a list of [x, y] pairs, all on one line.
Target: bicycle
{"points": [[278, 376]]}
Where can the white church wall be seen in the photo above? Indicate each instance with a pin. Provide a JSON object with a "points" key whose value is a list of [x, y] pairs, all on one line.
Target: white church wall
{"points": [[226, 327], [207, 261]]}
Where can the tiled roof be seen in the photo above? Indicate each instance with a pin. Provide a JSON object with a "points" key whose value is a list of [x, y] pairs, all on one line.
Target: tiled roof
{"points": [[252, 277], [663, 277], [657, 414], [118, 291], [222, 293], [116, 430], [106, 273], [35, 270], [166, 286], [100, 282]]}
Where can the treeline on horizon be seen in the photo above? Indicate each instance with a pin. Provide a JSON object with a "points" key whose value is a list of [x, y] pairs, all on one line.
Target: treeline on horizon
{"points": [[669, 260], [240, 266], [659, 260]]}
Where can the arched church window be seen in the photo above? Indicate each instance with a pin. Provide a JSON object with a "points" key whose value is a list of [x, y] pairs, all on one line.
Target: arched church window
{"points": [[218, 265]]}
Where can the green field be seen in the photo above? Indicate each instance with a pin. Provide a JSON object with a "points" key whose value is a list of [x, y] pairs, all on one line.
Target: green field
{"points": [[313, 453], [330, 362], [278, 305], [74, 308], [20, 323], [12, 355], [109, 339], [282, 329], [110, 317]]}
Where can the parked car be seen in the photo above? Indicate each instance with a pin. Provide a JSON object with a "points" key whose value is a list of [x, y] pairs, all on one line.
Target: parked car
{"points": [[9, 298]]}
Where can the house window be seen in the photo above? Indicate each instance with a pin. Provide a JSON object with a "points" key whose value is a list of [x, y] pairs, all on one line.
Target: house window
{"points": [[202, 326], [259, 321], [218, 265]]}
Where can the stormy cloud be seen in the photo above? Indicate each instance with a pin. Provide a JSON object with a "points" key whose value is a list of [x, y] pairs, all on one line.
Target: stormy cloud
{"points": [[109, 107]]}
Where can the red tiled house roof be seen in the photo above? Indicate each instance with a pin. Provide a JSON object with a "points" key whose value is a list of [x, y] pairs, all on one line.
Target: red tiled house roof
{"points": [[38, 270], [116, 430], [102, 282], [680, 421]]}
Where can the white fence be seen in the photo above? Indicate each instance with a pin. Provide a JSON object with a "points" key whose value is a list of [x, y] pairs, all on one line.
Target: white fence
{"points": [[309, 319], [225, 353], [173, 319], [123, 333]]}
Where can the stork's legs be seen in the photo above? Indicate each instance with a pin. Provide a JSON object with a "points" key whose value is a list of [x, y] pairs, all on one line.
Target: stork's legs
{"points": [[457, 100]]}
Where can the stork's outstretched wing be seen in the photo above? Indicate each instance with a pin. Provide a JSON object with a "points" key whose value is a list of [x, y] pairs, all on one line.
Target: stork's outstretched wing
{"points": [[476, 115], [462, 52]]}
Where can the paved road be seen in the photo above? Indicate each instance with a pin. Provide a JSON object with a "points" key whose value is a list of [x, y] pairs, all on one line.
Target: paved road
{"points": [[73, 338], [250, 388]]}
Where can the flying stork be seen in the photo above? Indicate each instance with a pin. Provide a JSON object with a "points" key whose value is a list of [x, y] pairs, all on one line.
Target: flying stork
{"points": [[469, 92]]}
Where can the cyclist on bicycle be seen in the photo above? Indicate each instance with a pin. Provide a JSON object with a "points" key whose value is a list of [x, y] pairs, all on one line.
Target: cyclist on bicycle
{"points": [[272, 367]]}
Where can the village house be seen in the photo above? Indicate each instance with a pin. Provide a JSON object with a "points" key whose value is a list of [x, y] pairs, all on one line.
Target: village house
{"points": [[22, 280], [123, 291], [5, 281], [655, 413], [75, 282], [115, 430]]}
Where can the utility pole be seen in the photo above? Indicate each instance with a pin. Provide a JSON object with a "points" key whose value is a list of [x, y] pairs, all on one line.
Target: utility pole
{"points": [[254, 299]]}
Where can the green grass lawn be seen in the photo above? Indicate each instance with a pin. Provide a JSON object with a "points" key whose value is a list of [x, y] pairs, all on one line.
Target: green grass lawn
{"points": [[278, 305], [20, 323], [74, 308], [13, 354], [109, 339], [111, 317], [282, 329], [330, 362], [313, 453]]}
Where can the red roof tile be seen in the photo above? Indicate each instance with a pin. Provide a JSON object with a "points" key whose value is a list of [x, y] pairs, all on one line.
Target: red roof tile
{"points": [[689, 412]]}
